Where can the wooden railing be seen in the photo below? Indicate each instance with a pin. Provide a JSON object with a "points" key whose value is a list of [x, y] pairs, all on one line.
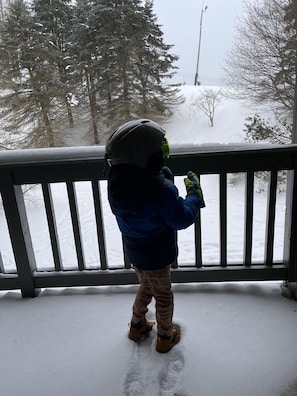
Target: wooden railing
{"points": [[45, 167]]}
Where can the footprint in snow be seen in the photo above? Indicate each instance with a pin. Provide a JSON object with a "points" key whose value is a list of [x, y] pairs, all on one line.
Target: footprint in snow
{"points": [[135, 382], [151, 373], [171, 373], [134, 387]]}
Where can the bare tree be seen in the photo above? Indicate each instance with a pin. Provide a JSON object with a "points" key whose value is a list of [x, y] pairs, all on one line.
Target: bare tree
{"points": [[261, 64], [207, 102]]}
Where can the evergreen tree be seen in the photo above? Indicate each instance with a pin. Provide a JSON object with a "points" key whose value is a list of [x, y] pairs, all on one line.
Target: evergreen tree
{"points": [[123, 32], [259, 130], [124, 59], [28, 77], [108, 38], [55, 19], [140, 61], [108, 54], [85, 57], [153, 62]]}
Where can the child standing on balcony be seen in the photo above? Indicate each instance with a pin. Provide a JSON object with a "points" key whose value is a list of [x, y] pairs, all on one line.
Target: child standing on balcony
{"points": [[149, 210]]}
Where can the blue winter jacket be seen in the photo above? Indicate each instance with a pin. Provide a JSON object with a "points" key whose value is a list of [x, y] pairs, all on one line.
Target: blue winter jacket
{"points": [[149, 210]]}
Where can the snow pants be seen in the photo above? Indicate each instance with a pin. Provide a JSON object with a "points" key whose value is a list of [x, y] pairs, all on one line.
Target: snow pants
{"points": [[157, 284]]}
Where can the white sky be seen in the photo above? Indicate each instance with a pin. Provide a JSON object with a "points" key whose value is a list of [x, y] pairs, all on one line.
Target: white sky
{"points": [[180, 21]]}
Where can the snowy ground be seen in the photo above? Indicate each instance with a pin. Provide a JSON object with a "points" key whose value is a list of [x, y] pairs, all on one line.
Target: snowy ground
{"points": [[238, 339]]}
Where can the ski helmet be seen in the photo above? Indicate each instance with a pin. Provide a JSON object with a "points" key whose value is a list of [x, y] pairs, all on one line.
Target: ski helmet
{"points": [[139, 142]]}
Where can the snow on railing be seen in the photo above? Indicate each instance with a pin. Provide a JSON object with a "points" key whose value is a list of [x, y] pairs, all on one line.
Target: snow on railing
{"points": [[62, 233]]}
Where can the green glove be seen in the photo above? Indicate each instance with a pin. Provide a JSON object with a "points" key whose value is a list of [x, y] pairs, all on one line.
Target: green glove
{"points": [[192, 184]]}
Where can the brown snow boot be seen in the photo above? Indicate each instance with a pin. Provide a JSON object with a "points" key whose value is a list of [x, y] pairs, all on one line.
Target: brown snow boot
{"points": [[140, 330], [165, 342]]}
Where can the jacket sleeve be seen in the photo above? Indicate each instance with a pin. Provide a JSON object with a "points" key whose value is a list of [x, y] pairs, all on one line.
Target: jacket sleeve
{"points": [[178, 213]]}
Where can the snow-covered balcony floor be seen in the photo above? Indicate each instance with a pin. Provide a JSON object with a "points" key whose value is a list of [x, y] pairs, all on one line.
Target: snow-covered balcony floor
{"points": [[238, 339]]}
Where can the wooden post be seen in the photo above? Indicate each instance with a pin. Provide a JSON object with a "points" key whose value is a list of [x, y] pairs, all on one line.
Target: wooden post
{"points": [[290, 237], [290, 246], [15, 211]]}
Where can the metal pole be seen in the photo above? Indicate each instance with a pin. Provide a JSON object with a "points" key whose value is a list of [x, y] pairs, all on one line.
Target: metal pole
{"points": [[196, 81], [294, 129]]}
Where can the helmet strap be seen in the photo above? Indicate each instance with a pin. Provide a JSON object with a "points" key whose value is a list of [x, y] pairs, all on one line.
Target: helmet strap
{"points": [[165, 148]]}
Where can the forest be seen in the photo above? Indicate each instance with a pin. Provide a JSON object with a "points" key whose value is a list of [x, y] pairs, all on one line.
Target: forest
{"points": [[88, 65]]}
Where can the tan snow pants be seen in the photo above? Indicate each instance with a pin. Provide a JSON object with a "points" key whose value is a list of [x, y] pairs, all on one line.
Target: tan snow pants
{"points": [[157, 284]]}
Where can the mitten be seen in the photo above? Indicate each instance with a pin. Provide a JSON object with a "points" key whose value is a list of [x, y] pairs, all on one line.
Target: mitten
{"points": [[193, 186], [167, 173]]}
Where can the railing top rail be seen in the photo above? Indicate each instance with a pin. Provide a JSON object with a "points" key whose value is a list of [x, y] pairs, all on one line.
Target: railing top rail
{"points": [[51, 155], [95, 153], [214, 148], [87, 163]]}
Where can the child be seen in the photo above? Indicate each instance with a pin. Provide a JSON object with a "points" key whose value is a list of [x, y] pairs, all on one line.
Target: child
{"points": [[149, 210]]}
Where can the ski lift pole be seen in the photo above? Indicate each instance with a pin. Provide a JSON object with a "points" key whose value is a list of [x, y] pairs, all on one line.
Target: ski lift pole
{"points": [[294, 128], [203, 9]]}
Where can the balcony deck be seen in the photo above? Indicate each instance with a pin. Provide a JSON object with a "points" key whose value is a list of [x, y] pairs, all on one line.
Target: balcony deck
{"points": [[238, 339]]}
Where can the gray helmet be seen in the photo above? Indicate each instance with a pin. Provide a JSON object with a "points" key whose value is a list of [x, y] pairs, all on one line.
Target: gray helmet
{"points": [[138, 142]]}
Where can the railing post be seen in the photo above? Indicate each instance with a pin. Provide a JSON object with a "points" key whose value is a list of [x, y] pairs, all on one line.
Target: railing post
{"points": [[52, 226], [290, 237], [223, 218], [249, 217], [1, 265], [270, 219], [99, 224], [15, 211]]}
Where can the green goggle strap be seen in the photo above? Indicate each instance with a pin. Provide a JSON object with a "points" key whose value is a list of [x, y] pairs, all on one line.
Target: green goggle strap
{"points": [[165, 148]]}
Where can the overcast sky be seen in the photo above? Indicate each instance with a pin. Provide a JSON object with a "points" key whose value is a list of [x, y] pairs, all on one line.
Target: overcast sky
{"points": [[180, 22]]}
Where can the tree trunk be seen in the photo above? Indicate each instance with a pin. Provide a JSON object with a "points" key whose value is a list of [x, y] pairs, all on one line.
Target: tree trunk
{"points": [[48, 126], [69, 112], [93, 106]]}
